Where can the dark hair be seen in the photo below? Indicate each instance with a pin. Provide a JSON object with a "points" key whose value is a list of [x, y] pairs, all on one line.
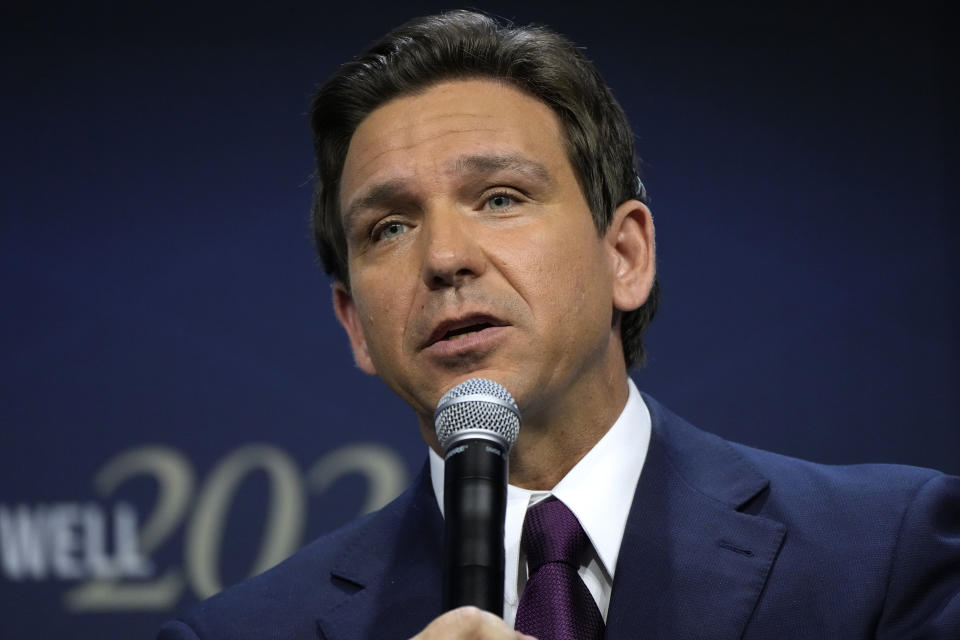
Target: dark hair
{"points": [[464, 44]]}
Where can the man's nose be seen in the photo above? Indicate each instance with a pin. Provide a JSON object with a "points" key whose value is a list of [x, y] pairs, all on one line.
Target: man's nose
{"points": [[452, 251]]}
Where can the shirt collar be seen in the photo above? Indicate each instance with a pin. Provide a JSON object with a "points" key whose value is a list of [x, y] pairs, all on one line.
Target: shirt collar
{"points": [[599, 489]]}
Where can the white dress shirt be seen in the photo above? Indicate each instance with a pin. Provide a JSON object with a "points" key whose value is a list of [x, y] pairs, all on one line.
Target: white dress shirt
{"points": [[598, 490]]}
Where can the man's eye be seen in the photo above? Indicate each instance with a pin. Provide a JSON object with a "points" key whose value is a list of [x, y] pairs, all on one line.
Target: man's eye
{"points": [[500, 201], [389, 230]]}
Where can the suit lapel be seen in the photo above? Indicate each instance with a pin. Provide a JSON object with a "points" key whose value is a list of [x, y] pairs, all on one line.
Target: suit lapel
{"points": [[691, 564], [388, 583]]}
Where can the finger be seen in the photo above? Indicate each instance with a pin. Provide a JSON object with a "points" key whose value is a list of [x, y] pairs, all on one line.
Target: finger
{"points": [[470, 623]]}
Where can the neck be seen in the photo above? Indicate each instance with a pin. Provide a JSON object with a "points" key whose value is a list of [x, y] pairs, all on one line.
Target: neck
{"points": [[553, 442], [559, 428]]}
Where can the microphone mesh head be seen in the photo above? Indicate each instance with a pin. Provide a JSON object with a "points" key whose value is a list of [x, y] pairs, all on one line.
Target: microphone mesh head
{"points": [[478, 408]]}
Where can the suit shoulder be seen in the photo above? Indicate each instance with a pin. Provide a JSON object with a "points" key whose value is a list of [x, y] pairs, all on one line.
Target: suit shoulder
{"points": [[873, 506], [795, 475], [888, 535], [790, 488], [697, 454]]}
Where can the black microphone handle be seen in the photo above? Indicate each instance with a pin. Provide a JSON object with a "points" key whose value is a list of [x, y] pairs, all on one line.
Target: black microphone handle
{"points": [[474, 504]]}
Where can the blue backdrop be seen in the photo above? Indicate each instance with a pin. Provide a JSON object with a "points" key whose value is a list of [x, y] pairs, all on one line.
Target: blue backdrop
{"points": [[178, 407]]}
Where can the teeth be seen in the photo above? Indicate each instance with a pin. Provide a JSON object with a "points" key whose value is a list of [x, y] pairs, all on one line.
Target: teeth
{"points": [[461, 335]]}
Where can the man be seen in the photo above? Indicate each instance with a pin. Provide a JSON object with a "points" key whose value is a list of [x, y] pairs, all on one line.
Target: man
{"points": [[478, 207]]}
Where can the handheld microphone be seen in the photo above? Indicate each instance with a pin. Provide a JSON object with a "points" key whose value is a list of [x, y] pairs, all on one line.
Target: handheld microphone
{"points": [[477, 422]]}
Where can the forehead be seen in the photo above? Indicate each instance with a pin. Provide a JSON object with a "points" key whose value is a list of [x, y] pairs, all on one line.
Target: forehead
{"points": [[432, 131]]}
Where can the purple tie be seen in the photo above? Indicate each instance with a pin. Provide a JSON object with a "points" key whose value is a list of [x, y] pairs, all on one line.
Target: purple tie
{"points": [[556, 605]]}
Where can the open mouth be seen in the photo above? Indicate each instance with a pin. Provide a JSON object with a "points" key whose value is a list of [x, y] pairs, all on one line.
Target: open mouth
{"points": [[456, 334], [460, 328]]}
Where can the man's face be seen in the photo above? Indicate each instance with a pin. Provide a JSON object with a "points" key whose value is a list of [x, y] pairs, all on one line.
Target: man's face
{"points": [[472, 251]]}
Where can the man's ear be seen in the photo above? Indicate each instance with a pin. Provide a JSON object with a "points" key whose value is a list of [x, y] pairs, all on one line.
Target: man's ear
{"points": [[346, 310], [631, 241]]}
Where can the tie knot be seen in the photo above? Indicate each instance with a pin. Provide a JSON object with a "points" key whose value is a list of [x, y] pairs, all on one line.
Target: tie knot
{"points": [[551, 533]]}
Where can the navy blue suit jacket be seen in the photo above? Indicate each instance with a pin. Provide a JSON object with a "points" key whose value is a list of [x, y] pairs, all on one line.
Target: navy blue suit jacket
{"points": [[723, 541]]}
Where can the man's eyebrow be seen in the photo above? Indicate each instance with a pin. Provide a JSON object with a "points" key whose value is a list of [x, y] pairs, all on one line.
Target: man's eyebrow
{"points": [[505, 162], [375, 196]]}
